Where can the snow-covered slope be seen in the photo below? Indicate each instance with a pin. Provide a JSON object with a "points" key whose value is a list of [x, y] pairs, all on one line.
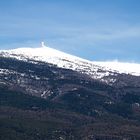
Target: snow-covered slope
{"points": [[96, 70], [121, 67]]}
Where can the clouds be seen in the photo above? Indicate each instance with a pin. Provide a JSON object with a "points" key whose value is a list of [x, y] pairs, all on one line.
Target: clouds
{"points": [[115, 34]]}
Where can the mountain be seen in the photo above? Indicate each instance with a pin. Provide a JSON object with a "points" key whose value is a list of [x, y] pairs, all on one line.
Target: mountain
{"points": [[48, 94], [96, 70]]}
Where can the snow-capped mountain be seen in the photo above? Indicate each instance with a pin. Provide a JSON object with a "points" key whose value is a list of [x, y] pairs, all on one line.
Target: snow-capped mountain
{"points": [[79, 85], [96, 70]]}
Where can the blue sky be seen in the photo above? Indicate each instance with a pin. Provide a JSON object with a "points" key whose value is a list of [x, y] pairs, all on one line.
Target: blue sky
{"points": [[92, 29]]}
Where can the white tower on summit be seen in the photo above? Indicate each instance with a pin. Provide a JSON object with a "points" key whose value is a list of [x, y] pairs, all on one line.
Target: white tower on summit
{"points": [[43, 44]]}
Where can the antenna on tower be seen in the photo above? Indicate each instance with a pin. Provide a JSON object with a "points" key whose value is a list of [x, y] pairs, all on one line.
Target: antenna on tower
{"points": [[43, 44]]}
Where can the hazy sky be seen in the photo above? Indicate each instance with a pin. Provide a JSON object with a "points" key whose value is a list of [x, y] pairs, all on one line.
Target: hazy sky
{"points": [[93, 29]]}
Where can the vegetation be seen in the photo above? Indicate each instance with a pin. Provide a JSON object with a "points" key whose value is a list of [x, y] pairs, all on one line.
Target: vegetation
{"points": [[32, 118]]}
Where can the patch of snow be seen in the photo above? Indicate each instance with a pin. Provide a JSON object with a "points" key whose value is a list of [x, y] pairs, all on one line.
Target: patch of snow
{"points": [[43, 94], [6, 71]]}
